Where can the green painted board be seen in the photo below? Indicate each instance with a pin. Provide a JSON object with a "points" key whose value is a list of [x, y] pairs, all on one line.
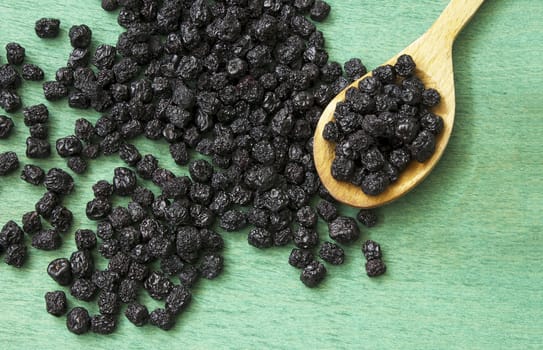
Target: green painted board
{"points": [[464, 249]]}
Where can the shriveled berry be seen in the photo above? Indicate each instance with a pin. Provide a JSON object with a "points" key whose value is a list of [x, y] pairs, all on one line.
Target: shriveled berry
{"points": [[55, 303], [332, 253], [162, 318], [300, 258], [59, 181], [313, 274], [31, 222], [80, 36], [178, 299], [137, 314], [32, 72], [9, 162], [60, 270], [15, 255], [343, 230], [32, 174], [83, 289], [367, 217], [260, 238], [78, 320], [47, 28], [371, 250], [211, 266], [15, 53], [6, 126], [103, 324], [47, 240], [375, 267], [81, 263]]}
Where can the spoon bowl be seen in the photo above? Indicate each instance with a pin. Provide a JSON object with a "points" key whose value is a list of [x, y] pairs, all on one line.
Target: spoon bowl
{"points": [[432, 53]]}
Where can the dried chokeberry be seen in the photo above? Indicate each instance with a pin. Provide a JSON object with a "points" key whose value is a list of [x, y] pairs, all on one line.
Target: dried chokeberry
{"points": [[15, 53], [313, 274], [60, 270], [32, 72], [343, 229], [375, 267], [47, 27], [162, 318], [103, 324], [78, 320], [58, 181], [332, 253], [6, 126], [31, 222], [47, 240], [300, 258], [55, 303], [9, 162], [137, 314]]}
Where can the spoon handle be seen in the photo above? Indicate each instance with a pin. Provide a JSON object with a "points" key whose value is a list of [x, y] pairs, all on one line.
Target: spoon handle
{"points": [[453, 19]]}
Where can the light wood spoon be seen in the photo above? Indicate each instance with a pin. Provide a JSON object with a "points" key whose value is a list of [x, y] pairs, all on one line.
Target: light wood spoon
{"points": [[432, 53]]}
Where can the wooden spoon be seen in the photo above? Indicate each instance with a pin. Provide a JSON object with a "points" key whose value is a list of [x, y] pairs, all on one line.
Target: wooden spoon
{"points": [[432, 53]]}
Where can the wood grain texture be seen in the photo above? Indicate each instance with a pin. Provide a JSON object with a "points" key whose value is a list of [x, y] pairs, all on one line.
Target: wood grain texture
{"points": [[463, 249]]}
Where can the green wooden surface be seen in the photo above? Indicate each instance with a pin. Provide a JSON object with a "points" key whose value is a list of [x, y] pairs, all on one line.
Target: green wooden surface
{"points": [[464, 249]]}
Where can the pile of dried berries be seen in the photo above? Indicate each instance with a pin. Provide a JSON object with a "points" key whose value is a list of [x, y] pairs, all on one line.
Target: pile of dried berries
{"points": [[243, 83], [382, 125]]}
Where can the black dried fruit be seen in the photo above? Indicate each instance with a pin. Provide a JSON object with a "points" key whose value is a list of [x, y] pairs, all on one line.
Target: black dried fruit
{"points": [[85, 239], [15, 255], [32, 174], [343, 230], [162, 318], [77, 164], [80, 36], [47, 240], [9, 162], [313, 274], [11, 233], [405, 66], [124, 181], [31, 222], [103, 324], [371, 250], [47, 27], [108, 303], [158, 285], [137, 314], [36, 114], [327, 211], [300, 258], [332, 253], [55, 303], [6, 125], [178, 299], [260, 238], [54, 90], [78, 320], [58, 181], [375, 267], [10, 101], [69, 146], [60, 270], [367, 217], [81, 264], [83, 289], [211, 266], [305, 238], [32, 72], [61, 219], [15, 53]]}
